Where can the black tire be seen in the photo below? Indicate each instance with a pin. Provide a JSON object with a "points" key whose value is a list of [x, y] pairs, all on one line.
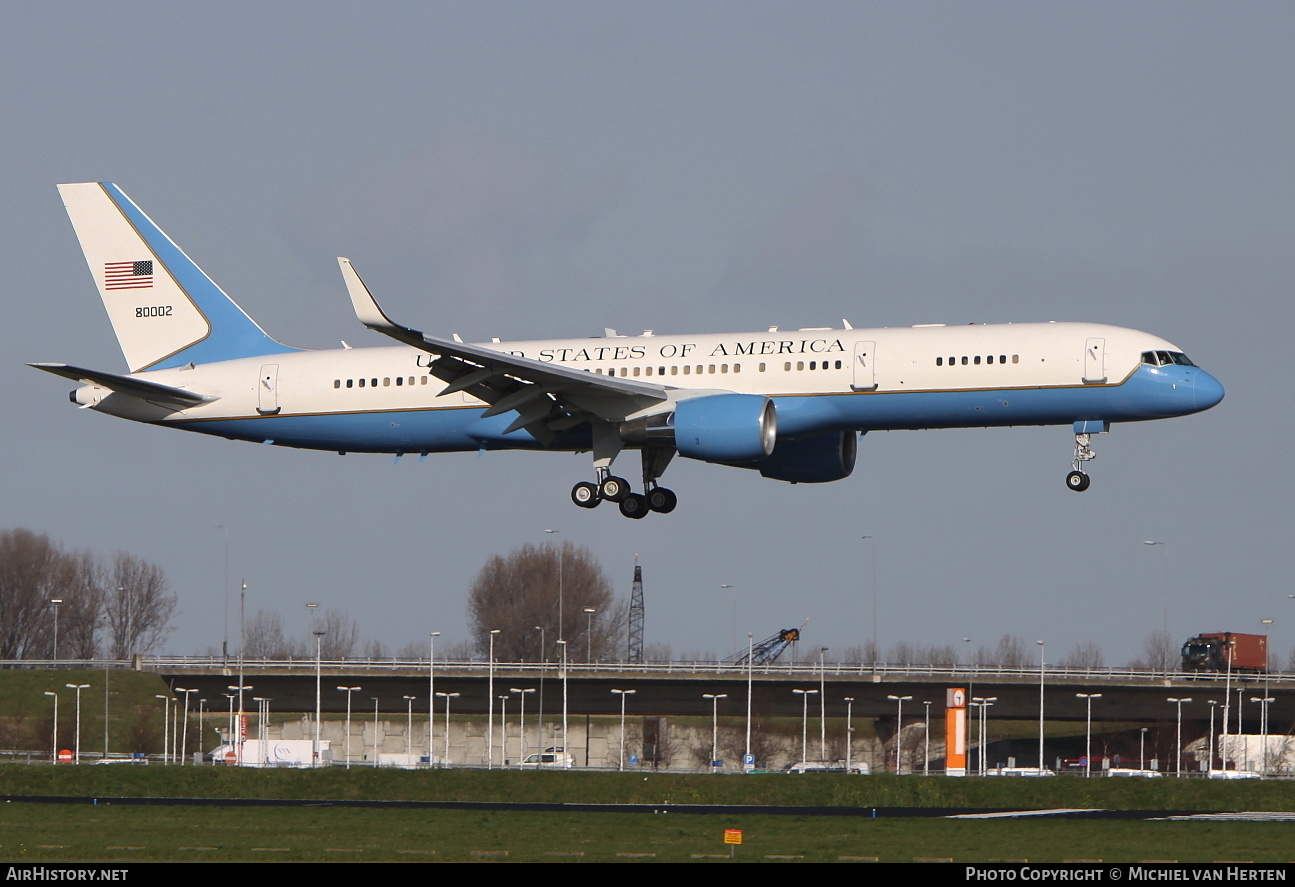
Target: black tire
{"points": [[661, 500], [634, 506], [585, 494], [614, 489], [1078, 481]]}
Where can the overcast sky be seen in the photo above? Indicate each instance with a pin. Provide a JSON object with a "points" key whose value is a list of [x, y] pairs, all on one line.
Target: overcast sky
{"points": [[529, 170]]}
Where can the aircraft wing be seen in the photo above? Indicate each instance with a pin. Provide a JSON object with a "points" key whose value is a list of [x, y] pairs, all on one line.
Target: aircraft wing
{"points": [[549, 398], [154, 392]]}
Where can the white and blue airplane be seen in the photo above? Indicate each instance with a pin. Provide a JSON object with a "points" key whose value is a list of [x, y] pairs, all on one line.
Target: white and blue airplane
{"points": [[789, 404]]}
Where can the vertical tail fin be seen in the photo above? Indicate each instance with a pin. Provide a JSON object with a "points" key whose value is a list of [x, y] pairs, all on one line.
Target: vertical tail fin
{"points": [[165, 311]]}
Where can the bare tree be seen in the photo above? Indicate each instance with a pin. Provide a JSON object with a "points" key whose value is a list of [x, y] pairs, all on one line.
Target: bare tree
{"points": [[30, 567], [1085, 655], [263, 638], [341, 633], [1159, 653], [78, 576], [528, 587], [138, 606]]}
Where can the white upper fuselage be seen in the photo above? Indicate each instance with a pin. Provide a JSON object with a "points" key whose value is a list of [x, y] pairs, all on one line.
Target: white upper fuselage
{"points": [[857, 364]]}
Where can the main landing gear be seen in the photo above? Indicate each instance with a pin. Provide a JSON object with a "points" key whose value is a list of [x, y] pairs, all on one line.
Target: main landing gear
{"points": [[617, 489], [1077, 479]]}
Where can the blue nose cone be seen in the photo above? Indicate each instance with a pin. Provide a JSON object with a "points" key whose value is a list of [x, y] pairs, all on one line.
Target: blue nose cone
{"points": [[1208, 390]]}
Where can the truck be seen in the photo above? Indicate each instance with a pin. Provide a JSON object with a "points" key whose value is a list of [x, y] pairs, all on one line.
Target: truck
{"points": [[1213, 650], [290, 753]]}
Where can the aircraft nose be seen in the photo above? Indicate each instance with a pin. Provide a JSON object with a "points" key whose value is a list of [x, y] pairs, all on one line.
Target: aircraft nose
{"points": [[1208, 390]]}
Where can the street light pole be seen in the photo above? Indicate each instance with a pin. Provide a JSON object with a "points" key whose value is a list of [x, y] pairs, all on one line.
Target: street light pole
{"points": [[1040, 643], [565, 750], [348, 691], [622, 694], [714, 727], [53, 745], [1088, 732], [521, 722], [490, 705], [822, 704], [448, 696], [431, 691], [899, 729], [804, 721], [78, 688], [849, 730], [1179, 703]]}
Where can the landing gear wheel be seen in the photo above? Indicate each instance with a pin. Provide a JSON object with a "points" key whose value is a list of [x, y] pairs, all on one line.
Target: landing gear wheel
{"points": [[1078, 481], [585, 494], [634, 506], [614, 489], [661, 500]]}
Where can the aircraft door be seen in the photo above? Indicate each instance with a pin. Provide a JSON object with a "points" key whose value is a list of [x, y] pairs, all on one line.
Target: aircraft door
{"points": [[1095, 360], [267, 390], [865, 371]]}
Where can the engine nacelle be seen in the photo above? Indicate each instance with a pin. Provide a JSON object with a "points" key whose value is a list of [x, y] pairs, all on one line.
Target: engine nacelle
{"points": [[729, 428], [812, 460]]}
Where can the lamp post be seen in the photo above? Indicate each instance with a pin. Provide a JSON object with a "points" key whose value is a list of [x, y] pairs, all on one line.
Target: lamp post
{"points": [[431, 691], [714, 728], [1040, 643], [503, 729], [926, 754], [54, 651], [375, 730], [1088, 732], [589, 633], [521, 721], [184, 728], [983, 703], [1263, 728], [1179, 703], [166, 724], [563, 644], [490, 705], [1213, 704], [348, 691], [239, 689], [78, 688], [822, 704], [53, 745], [899, 728], [804, 721], [561, 555], [747, 761], [622, 694], [539, 711], [849, 730], [409, 727], [316, 747], [448, 696]]}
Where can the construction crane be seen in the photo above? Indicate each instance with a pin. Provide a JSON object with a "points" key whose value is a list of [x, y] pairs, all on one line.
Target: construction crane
{"points": [[768, 649]]}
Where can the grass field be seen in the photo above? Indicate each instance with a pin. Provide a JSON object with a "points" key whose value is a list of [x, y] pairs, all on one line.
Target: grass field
{"points": [[107, 831]]}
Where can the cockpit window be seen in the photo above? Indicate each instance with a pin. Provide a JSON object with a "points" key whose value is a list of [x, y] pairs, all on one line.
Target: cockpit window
{"points": [[1166, 358]]}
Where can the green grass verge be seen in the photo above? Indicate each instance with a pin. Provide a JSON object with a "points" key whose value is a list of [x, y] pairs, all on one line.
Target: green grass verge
{"points": [[645, 788], [105, 833]]}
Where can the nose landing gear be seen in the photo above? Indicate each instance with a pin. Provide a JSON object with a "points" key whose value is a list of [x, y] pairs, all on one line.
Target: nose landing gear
{"points": [[1077, 479]]}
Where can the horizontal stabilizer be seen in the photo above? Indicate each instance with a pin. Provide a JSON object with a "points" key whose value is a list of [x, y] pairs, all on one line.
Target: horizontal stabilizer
{"points": [[154, 392]]}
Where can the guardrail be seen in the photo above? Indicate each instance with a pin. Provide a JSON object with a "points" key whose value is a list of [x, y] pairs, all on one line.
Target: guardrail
{"points": [[690, 667]]}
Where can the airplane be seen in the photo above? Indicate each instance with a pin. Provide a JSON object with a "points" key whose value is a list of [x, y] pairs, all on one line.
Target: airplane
{"points": [[789, 404]]}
